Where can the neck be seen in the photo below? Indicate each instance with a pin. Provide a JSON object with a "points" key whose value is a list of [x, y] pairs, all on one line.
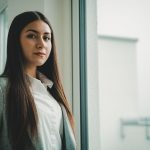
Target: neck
{"points": [[31, 72]]}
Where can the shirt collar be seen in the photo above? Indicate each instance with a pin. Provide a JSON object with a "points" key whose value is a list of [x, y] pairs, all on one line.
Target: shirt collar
{"points": [[47, 82], [42, 79]]}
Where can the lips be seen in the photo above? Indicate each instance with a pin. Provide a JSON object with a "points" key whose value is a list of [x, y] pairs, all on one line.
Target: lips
{"points": [[40, 53]]}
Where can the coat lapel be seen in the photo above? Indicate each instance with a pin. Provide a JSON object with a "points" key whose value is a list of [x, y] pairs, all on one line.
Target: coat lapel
{"points": [[69, 139]]}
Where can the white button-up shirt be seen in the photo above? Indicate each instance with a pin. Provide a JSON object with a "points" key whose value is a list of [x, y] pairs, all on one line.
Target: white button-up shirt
{"points": [[50, 125]]}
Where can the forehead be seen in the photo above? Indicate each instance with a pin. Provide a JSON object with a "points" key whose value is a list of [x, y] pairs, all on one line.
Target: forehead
{"points": [[38, 25]]}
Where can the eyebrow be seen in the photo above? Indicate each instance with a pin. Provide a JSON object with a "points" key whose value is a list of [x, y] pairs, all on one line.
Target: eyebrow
{"points": [[32, 30]]}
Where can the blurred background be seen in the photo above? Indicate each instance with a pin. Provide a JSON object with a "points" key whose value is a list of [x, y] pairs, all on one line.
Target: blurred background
{"points": [[124, 71]]}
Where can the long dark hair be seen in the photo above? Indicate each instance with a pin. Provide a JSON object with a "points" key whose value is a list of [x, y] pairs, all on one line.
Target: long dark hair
{"points": [[22, 118]]}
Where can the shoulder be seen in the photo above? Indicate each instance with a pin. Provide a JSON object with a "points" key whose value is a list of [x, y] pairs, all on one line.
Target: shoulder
{"points": [[3, 82], [3, 85]]}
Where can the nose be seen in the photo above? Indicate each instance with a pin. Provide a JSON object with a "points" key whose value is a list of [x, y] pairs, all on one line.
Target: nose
{"points": [[40, 43]]}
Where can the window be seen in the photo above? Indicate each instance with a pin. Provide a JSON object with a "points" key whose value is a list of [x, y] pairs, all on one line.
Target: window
{"points": [[85, 74]]}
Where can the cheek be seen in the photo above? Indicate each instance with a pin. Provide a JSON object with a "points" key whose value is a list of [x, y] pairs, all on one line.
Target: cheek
{"points": [[49, 48], [48, 52], [26, 46]]}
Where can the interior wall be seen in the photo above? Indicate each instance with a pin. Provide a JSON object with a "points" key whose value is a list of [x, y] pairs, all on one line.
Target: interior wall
{"points": [[15, 7]]}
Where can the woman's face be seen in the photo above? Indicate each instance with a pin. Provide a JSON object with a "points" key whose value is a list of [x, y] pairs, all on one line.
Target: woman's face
{"points": [[36, 43]]}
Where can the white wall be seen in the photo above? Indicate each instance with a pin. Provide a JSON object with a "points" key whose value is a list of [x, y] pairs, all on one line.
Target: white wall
{"points": [[76, 69], [130, 18], [15, 7], [3, 37]]}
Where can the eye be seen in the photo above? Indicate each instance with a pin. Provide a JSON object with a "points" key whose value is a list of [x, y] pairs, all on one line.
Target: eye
{"points": [[46, 38], [31, 36]]}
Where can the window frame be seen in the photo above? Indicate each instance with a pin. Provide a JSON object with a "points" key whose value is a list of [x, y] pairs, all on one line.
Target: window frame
{"points": [[79, 72]]}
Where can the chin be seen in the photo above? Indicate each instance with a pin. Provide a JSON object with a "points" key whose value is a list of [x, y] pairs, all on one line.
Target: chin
{"points": [[40, 64]]}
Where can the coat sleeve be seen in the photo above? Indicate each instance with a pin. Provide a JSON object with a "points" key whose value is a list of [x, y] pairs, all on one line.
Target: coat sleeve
{"points": [[3, 83], [1, 106], [70, 143]]}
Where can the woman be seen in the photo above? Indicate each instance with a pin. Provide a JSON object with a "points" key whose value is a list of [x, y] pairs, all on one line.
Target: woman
{"points": [[34, 112]]}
